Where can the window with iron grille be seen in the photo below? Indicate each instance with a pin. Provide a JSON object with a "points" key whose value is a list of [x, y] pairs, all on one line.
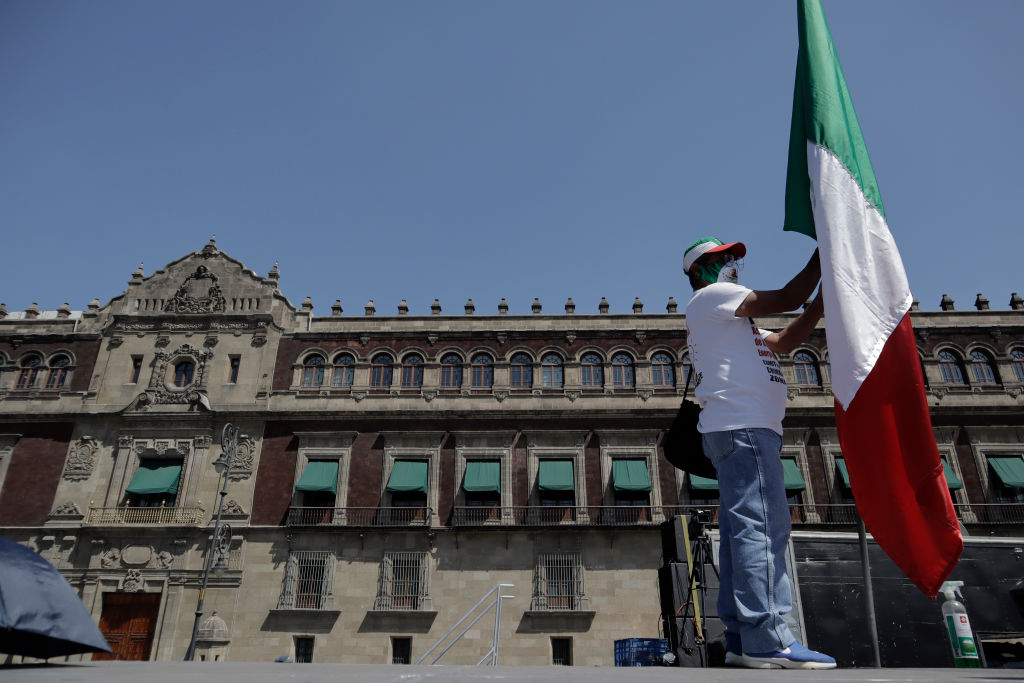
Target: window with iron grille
{"points": [[558, 581], [401, 650], [307, 581], [303, 650], [402, 583], [561, 651]]}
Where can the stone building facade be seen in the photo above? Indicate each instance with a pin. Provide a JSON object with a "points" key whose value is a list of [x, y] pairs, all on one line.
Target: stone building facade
{"points": [[392, 469]]}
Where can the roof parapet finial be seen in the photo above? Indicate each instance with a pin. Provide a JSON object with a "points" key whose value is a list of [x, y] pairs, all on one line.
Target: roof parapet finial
{"points": [[274, 273]]}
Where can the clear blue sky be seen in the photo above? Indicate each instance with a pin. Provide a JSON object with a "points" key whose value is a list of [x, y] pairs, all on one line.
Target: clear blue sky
{"points": [[465, 149]]}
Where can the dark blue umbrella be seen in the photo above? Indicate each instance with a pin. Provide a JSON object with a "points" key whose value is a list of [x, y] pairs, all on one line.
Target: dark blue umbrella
{"points": [[40, 613]]}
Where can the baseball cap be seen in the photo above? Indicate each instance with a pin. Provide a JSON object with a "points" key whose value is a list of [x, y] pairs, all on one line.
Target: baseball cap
{"points": [[710, 245]]}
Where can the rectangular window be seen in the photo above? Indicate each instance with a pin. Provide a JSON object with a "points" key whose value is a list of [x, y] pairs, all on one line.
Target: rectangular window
{"points": [[235, 362], [402, 582], [307, 581], [303, 649], [558, 581], [133, 378], [561, 651], [401, 650]]}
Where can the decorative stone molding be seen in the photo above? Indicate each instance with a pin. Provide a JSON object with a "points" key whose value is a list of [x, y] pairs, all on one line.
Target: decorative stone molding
{"points": [[644, 394], [792, 393], [163, 560], [81, 459], [68, 509], [358, 395], [502, 337], [429, 395], [162, 340], [940, 392], [191, 297], [364, 339], [132, 581], [115, 341], [640, 336], [245, 457], [570, 337], [1014, 392], [432, 339], [125, 441], [500, 395], [572, 395], [202, 441], [258, 339], [233, 509], [110, 558]]}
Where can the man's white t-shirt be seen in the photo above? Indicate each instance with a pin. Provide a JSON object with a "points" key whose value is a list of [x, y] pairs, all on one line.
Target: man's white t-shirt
{"points": [[739, 383]]}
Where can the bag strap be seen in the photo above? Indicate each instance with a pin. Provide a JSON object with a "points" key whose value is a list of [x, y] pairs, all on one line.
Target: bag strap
{"points": [[689, 376]]}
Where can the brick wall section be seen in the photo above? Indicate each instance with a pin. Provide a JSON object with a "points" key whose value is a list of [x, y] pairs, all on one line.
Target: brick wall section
{"points": [[666, 477], [275, 479], [520, 473], [816, 470], [969, 469], [446, 480], [366, 471], [592, 470], [34, 472]]}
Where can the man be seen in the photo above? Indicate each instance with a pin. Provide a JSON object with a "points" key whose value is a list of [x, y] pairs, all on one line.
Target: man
{"points": [[742, 394]]}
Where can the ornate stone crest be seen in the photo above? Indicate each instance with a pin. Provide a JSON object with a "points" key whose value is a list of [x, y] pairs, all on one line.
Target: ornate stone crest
{"points": [[110, 558], [244, 459], [158, 391], [132, 581], [199, 293], [81, 459], [233, 509]]}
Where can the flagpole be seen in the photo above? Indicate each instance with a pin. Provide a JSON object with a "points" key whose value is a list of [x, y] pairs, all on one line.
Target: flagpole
{"points": [[869, 591]]}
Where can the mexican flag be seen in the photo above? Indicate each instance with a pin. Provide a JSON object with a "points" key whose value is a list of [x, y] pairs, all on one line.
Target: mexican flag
{"points": [[882, 414]]}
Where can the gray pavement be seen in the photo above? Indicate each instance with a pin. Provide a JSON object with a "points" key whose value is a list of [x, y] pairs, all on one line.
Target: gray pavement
{"points": [[256, 672]]}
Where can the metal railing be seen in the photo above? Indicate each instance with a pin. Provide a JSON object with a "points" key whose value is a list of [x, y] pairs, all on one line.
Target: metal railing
{"points": [[359, 517], [402, 584], [558, 582], [125, 516], [990, 513]]}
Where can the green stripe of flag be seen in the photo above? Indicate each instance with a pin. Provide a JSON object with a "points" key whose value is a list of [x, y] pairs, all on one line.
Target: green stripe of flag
{"points": [[822, 113]]}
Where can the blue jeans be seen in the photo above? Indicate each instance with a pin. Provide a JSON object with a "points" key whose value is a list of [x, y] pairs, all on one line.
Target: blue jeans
{"points": [[754, 524]]}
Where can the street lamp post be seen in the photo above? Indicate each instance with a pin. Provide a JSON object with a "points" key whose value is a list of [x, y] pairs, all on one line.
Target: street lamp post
{"points": [[220, 544]]}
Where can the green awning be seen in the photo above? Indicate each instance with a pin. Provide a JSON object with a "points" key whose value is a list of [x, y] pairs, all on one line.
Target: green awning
{"points": [[631, 475], [556, 475], [952, 481], [791, 474], [1009, 470], [698, 483], [407, 476], [482, 475], [319, 475], [156, 476], [844, 474]]}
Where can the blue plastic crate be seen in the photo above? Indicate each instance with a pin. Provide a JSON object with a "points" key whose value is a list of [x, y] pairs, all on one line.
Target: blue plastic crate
{"points": [[640, 651]]}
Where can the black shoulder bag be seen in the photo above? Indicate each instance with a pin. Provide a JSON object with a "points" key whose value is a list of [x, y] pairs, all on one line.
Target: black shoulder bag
{"points": [[683, 445]]}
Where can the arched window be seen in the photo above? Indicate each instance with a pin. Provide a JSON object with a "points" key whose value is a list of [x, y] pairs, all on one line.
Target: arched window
{"points": [[983, 370], [412, 371], [481, 371], [662, 372], [687, 370], [592, 370], [183, 373], [622, 371], [344, 371], [951, 368], [806, 369], [381, 371], [313, 371], [58, 374], [1017, 360], [451, 371], [29, 372], [551, 370], [520, 371]]}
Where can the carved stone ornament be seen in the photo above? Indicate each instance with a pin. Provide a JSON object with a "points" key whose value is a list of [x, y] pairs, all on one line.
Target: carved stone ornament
{"points": [[432, 339], [939, 392], [429, 395], [364, 339], [570, 337], [68, 509], [258, 339], [792, 393], [81, 459], [110, 558], [199, 293], [572, 395], [644, 394], [233, 509], [358, 395], [500, 395], [132, 581], [163, 560], [640, 336], [1013, 391], [125, 441], [502, 337], [245, 456], [158, 391]]}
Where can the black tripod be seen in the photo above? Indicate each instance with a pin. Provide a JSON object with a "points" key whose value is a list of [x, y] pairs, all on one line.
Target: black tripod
{"points": [[693, 640]]}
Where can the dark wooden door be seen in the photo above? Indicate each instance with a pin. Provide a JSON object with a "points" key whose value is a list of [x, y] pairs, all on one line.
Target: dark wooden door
{"points": [[128, 623]]}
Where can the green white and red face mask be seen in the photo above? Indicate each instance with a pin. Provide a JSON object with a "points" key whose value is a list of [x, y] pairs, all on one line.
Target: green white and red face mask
{"points": [[726, 270]]}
